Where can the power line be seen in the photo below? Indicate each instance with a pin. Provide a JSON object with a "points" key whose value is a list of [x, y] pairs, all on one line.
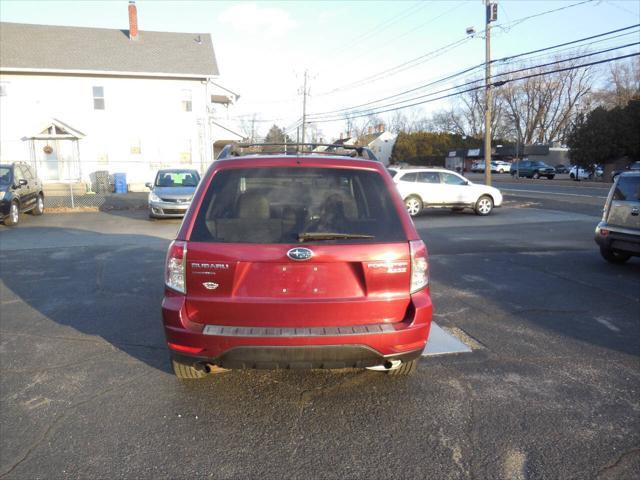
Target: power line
{"points": [[429, 55], [381, 74], [509, 25], [470, 69], [385, 24], [313, 119], [494, 84]]}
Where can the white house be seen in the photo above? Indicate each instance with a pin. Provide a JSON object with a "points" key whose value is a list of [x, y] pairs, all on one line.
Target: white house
{"points": [[75, 101], [380, 142]]}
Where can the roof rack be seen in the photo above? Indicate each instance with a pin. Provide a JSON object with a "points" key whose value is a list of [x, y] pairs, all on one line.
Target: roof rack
{"points": [[236, 150]]}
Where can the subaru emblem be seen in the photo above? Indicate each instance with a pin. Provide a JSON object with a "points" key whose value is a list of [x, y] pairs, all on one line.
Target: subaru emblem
{"points": [[210, 285], [299, 254]]}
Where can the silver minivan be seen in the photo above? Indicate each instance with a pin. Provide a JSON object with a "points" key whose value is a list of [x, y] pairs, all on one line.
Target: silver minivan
{"points": [[618, 234]]}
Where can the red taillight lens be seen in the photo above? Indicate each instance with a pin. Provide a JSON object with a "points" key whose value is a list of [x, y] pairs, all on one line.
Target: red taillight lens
{"points": [[184, 348], [419, 266], [604, 232], [175, 267]]}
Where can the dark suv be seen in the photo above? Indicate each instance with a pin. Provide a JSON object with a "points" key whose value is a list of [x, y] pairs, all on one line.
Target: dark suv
{"points": [[532, 169], [296, 261], [20, 191]]}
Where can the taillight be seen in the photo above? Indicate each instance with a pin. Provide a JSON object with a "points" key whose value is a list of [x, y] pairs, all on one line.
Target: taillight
{"points": [[419, 266], [175, 268]]}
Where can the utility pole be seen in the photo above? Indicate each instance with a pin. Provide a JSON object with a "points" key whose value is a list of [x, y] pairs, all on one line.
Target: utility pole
{"points": [[491, 16], [304, 108], [253, 127]]}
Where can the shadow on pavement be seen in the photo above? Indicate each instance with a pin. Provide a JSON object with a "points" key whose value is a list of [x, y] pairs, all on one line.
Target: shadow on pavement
{"points": [[108, 286]]}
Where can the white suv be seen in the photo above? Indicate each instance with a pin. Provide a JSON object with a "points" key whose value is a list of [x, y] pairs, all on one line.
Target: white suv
{"points": [[439, 188]]}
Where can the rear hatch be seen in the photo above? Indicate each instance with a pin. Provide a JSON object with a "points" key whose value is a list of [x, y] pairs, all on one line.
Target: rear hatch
{"points": [[624, 209], [297, 247]]}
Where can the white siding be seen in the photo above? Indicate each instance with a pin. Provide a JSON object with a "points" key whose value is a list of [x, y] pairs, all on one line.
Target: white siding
{"points": [[140, 115], [382, 146]]}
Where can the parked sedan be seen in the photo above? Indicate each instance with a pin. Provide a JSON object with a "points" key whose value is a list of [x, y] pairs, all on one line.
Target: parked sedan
{"points": [[422, 188], [498, 166], [171, 193], [580, 173]]}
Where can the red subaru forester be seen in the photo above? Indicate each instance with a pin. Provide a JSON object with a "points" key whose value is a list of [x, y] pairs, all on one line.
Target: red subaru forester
{"points": [[296, 261]]}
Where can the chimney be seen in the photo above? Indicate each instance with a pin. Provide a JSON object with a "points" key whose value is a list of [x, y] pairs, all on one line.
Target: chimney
{"points": [[133, 20]]}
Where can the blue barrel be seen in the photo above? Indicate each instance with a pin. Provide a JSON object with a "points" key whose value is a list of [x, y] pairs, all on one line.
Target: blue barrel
{"points": [[120, 182]]}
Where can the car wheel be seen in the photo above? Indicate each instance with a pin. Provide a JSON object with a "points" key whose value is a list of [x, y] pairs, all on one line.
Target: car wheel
{"points": [[185, 371], [550, 177], [536, 175], [614, 257], [484, 205], [39, 208], [413, 204], [14, 215], [406, 368], [572, 176]]}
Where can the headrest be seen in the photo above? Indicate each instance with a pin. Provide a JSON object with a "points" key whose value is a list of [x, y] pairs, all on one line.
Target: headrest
{"points": [[253, 205]]}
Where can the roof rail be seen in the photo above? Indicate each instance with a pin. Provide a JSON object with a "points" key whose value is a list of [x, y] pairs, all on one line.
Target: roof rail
{"points": [[235, 150]]}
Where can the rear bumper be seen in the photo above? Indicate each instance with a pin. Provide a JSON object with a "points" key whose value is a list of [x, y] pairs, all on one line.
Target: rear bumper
{"points": [[619, 240], [310, 356], [313, 347]]}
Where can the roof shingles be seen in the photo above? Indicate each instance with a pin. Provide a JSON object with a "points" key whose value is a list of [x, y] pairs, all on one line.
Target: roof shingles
{"points": [[79, 49]]}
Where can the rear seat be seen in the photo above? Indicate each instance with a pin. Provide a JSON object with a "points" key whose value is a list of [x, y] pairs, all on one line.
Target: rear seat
{"points": [[253, 221]]}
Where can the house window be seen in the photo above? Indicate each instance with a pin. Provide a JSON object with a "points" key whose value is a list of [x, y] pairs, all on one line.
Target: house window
{"points": [[186, 100], [185, 151], [135, 148], [98, 98], [103, 159]]}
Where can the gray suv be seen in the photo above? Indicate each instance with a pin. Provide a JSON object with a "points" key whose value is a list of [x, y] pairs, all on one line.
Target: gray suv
{"points": [[618, 234]]}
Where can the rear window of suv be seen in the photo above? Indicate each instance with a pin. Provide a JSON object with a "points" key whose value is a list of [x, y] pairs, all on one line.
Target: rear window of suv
{"points": [[628, 189], [278, 205]]}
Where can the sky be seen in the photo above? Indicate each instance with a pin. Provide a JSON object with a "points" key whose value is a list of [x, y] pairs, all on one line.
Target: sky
{"points": [[263, 48]]}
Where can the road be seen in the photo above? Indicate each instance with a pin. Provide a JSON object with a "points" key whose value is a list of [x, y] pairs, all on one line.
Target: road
{"points": [[561, 193], [551, 389]]}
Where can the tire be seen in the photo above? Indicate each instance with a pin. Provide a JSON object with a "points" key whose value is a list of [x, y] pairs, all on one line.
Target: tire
{"points": [[414, 205], [39, 208], [550, 177], [407, 368], [572, 176], [185, 371], [535, 175], [484, 205], [14, 215], [614, 257]]}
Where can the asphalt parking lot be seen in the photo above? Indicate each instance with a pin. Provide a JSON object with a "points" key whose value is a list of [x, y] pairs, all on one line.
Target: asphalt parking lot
{"points": [[550, 390]]}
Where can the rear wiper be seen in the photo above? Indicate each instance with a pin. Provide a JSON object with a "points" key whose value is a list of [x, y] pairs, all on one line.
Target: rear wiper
{"points": [[302, 237]]}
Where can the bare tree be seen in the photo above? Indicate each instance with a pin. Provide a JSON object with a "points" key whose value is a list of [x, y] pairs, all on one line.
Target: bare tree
{"points": [[541, 109], [622, 85], [409, 121], [466, 116]]}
